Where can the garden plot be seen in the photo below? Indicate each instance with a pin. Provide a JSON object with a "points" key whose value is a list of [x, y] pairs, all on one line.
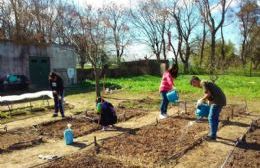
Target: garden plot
{"points": [[30, 136], [247, 153], [53, 130], [156, 144], [83, 160]]}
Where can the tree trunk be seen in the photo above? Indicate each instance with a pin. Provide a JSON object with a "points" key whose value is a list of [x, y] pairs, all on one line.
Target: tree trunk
{"points": [[223, 52], [118, 58], [203, 44], [187, 56], [157, 56], [250, 70], [213, 52], [243, 51], [164, 49], [96, 71], [186, 67], [82, 65]]}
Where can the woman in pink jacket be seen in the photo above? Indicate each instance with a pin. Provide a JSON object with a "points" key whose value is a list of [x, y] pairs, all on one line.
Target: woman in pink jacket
{"points": [[167, 84]]}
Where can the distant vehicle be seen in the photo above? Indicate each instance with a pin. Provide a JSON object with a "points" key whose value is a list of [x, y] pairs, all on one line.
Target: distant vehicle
{"points": [[14, 82]]}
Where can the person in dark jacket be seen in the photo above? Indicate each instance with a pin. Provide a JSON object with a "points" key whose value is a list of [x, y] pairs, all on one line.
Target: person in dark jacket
{"points": [[57, 87], [107, 113], [217, 100]]}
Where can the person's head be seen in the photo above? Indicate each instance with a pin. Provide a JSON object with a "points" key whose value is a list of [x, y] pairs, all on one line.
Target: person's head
{"points": [[99, 100], [53, 76], [173, 70], [195, 81]]}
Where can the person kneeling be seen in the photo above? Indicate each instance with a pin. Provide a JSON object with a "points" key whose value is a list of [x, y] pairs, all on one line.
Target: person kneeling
{"points": [[107, 113]]}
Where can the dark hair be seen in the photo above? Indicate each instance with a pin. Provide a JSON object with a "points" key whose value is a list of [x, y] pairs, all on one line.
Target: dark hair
{"points": [[174, 70], [99, 100], [52, 75], [194, 78]]}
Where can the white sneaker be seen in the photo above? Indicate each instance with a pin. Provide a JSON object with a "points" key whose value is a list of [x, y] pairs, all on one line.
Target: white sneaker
{"points": [[104, 128], [163, 116]]}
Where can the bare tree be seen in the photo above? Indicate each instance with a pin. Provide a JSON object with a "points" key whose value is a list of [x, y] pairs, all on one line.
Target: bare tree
{"points": [[203, 41], [117, 22], [248, 20], [6, 23], [150, 20], [186, 21], [92, 39], [213, 23]]}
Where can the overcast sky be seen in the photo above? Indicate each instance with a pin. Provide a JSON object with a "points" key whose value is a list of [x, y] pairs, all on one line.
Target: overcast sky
{"points": [[137, 51]]}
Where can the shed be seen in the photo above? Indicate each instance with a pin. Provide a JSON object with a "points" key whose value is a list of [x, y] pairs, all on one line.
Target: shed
{"points": [[36, 62]]}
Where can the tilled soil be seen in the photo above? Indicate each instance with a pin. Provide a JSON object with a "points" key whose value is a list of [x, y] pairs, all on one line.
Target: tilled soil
{"points": [[18, 139], [247, 154], [30, 136], [37, 134], [156, 144], [54, 130], [84, 160]]}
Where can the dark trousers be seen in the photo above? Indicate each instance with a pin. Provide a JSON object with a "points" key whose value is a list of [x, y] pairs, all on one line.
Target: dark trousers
{"points": [[164, 103], [58, 103], [213, 118]]}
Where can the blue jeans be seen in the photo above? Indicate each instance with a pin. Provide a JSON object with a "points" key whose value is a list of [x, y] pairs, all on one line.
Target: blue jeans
{"points": [[58, 103], [213, 118], [165, 102]]}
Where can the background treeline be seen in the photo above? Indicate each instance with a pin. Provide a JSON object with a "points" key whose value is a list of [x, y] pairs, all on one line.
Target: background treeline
{"points": [[192, 32]]}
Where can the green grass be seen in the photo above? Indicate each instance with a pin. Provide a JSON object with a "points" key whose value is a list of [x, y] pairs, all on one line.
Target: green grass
{"points": [[233, 86]]}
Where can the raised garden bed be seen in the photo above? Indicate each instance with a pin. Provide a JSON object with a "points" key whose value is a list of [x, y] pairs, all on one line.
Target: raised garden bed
{"points": [[156, 144], [247, 154]]}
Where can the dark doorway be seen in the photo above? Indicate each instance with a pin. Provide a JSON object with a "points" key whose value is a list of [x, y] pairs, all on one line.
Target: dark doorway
{"points": [[39, 71]]}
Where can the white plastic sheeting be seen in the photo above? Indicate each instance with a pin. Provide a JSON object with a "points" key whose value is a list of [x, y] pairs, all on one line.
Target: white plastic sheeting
{"points": [[26, 96]]}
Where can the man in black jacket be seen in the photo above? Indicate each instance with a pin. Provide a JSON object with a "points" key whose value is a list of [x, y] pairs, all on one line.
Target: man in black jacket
{"points": [[57, 87]]}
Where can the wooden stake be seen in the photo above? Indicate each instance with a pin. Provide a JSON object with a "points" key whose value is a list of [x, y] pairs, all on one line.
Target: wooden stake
{"points": [[5, 128], [95, 140], [246, 109], [185, 107], [178, 112], [157, 121], [124, 117], [232, 112]]}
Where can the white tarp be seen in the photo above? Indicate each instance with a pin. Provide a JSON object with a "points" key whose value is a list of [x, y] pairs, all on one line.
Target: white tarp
{"points": [[26, 96]]}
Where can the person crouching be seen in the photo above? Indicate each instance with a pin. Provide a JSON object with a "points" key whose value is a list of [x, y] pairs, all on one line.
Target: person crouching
{"points": [[107, 113]]}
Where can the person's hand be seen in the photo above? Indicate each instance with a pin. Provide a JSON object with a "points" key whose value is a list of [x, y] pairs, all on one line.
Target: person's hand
{"points": [[200, 101], [59, 97], [54, 92]]}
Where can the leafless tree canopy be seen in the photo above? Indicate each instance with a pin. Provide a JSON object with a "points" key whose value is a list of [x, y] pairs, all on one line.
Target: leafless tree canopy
{"points": [[187, 30]]}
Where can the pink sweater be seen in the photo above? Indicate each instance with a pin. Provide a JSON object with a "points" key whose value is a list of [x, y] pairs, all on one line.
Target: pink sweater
{"points": [[167, 82]]}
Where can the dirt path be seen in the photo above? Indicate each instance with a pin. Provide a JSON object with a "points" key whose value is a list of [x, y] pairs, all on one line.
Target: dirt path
{"points": [[213, 154], [29, 157]]}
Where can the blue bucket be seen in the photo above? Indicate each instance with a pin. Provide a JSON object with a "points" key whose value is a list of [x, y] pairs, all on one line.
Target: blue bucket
{"points": [[202, 110], [68, 136], [172, 96]]}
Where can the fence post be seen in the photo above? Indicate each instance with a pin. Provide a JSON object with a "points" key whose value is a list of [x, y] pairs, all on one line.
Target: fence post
{"points": [[246, 108], [95, 140]]}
